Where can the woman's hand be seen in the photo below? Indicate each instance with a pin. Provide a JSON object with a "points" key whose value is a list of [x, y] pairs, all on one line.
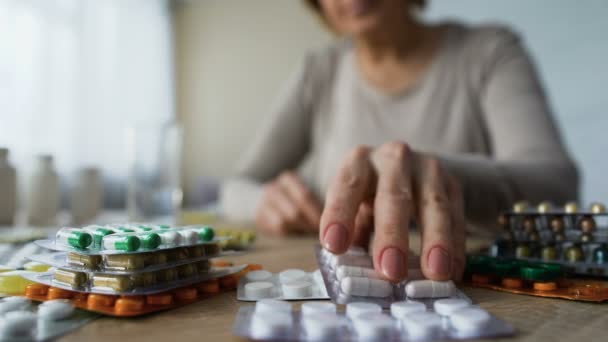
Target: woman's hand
{"points": [[288, 206], [384, 189]]}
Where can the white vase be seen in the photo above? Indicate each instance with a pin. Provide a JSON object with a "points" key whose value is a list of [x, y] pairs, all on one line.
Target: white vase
{"points": [[44, 193], [8, 190], [86, 196]]}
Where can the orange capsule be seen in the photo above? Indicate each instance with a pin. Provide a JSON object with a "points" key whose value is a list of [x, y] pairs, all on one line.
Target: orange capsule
{"points": [[186, 293], [99, 300], [159, 299], [254, 267], [512, 283], [545, 286], [57, 293], [128, 304], [480, 279], [80, 296], [229, 282], [209, 287], [221, 263], [33, 290]]}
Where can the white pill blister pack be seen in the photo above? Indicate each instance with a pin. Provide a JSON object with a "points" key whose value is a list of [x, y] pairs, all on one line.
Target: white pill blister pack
{"points": [[425, 320], [290, 284], [22, 320]]}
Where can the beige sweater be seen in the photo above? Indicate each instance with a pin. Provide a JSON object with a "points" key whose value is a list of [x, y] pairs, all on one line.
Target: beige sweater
{"points": [[480, 108]]}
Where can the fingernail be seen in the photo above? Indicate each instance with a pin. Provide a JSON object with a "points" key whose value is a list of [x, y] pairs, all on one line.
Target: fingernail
{"points": [[439, 261], [392, 263], [336, 238]]}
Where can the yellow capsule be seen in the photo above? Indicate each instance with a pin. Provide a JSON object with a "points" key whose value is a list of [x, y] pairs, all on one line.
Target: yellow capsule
{"points": [[544, 207], [13, 282], [520, 206], [36, 267], [598, 208], [571, 207]]}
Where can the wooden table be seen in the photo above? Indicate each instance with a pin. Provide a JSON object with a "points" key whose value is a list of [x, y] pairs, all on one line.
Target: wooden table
{"points": [[536, 319]]}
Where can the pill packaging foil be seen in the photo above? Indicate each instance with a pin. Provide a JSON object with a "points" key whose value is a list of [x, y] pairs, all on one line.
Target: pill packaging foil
{"points": [[140, 287], [291, 284], [27, 324], [130, 263], [292, 325]]}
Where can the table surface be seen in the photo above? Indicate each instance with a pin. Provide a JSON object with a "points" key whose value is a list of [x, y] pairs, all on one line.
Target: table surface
{"points": [[212, 319]]}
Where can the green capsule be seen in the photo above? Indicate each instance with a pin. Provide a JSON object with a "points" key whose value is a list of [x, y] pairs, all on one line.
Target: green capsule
{"points": [[99, 233], [74, 237], [149, 241], [206, 233], [124, 230], [127, 243]]}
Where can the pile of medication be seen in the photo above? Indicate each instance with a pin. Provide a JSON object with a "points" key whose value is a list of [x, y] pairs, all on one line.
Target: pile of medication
{"points": [[236, 239], [290, 284], [22, 320], [532, 278], [574, 237], [424, 320]]}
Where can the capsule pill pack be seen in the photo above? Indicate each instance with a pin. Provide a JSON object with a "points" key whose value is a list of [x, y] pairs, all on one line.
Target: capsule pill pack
{"points": [[23, 320], [291, 284], [424, 320], [570, 235], [130, 306], [539, 279]]}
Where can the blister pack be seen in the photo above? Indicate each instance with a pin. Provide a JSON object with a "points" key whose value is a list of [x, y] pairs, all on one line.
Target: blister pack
{"points": [[291, 284], [22, 320], [438, 319]]}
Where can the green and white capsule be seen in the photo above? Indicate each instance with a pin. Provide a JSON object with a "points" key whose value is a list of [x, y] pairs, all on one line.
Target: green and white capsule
{"points": [[122, 242], [73, 237], [149, 240], [205, 233], [98, 232], [189, 236]]}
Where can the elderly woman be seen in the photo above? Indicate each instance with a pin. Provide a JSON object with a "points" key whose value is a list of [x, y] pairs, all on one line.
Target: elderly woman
{"points": [[401, 121]]}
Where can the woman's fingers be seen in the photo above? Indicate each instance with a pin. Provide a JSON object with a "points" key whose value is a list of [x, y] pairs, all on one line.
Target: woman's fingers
{"points": [[434, 212], [348, 190], [456, 198], [364, 224], [392, 210], [303, 199]]}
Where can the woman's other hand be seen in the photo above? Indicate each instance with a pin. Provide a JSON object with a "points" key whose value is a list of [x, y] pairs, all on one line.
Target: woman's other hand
{"points": [[288, 206], [383, 190]]}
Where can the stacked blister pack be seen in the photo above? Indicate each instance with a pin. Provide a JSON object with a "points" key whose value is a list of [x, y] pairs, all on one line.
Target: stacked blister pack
{"points": [[134, 260], [376, 310]]}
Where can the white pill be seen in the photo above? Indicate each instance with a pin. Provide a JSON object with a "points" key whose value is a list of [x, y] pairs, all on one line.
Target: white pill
{"points": [[355, 271], [188, 236], [170, 238], [355, 309], [272, 305], [271, 325], [400, 309], [13, 303], [297, 289], [17, 324], [447, 306], [429, 289], [422, 325], [314, 308], [324, 327], [292, 275], [55, 310], [258, 290], [260, 275], [374, 327], [366, 287], [470, 320]]}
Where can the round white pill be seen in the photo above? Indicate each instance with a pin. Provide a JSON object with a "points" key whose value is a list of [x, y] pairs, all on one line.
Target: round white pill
{"points": [[55, 310], [260, 275], [189, 236], [292, 275], [366, 287], [470, 320], [355, 271], [13, 303], [358, 308], [314, 308], [429, 289], [324, 327], [297, 289], [445, 307], [17, 324], [258, 290], [422, 325], [374, 327], [400, 309], [271, 325], [169, 238], [272, 305]]}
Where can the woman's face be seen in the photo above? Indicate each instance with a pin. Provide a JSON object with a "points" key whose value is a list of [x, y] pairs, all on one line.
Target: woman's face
{"points": [[356, 17]]}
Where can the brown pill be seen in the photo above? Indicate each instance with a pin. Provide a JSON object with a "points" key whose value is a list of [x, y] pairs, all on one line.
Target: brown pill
{"points": [[118, 283], [160, 299], [125, 261], [529, 225], [545, 286], [88, 261], [480, 279], [587, 224], [503, 221], [512, 283], [557, 225], [73, 278]]}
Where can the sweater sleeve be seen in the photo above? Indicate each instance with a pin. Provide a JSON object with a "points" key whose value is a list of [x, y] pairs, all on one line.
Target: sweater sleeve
{"points": [[281, 143], [528, 159]]}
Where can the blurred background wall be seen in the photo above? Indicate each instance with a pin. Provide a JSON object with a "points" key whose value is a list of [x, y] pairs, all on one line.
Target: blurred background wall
{"points": [[232, 57]]}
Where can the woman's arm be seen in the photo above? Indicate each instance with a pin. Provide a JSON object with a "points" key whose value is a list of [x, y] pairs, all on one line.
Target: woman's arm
{"points": [[280, 144], [529, 160]]}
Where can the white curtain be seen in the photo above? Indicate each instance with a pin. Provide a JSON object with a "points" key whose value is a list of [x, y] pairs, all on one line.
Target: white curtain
{"points": [[75, 73]]}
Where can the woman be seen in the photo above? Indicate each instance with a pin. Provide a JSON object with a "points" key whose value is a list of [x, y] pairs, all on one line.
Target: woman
{"points": [[398, 121]]}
